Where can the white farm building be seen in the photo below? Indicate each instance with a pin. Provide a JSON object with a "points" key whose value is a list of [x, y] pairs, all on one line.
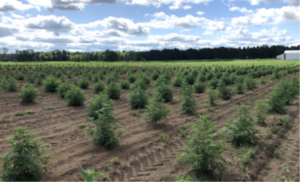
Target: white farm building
{"points": [[289, 55]]}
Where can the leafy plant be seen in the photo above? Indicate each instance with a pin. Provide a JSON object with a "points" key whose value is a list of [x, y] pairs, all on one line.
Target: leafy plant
{"points": [[224, 92], [212, 96], [113, 91], [26, 160], [19, 75], [111, 78], [262, 80], [247, 153], [190, 79], [96, 103], [104, 132], [209, 75], [199, 87], [275, 75], [98, 87], [38, 80], [62, 89], [241, 129], [84, 83], [286, 121], [139, 83], [250, 83], [28, 93], [155, 112], [204, 152], [201, 78], [155, 75], [277, 153], [125, 84], [239, 81], [114, 160], [290, 178], [188, 102], [51, 84], [177, 81], [18, 113], [89, 175], [187, 178], [282, 94], [268, 133], [138, 98], [131, 78], [164, 137], [213, 83], [12, 84], [164, 92], [74, 96], [29, 112], [183, 131], [260, 110]]}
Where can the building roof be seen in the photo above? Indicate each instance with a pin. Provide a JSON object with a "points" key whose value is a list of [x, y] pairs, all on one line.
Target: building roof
{"points": [[294, 51]]}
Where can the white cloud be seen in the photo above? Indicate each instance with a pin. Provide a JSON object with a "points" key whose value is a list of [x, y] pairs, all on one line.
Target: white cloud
{"points": [[214, 25], [245, 20], [185, 30], [71, 5], [165, 21], [174, 37], [78, 5], [160, 15], [53, 24], [41, 40], [121, 24], [270, 37], [257, 2], [158, 3], [7, 30], [242, 10], [58, 32], [45, 39], [200, 13], [178, 5], [106, 33], [272, 16], [13, 5], [17, 16], [207, 33], [293, 2]]}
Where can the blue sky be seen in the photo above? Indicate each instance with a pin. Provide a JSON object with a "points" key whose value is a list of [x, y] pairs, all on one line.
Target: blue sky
{"points": [[97, 25]]}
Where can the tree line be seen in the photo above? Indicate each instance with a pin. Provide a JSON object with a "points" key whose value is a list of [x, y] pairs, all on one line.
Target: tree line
{"points": [[258, 52]]}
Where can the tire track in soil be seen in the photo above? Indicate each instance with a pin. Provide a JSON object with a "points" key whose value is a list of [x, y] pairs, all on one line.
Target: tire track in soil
{"points": [[290, 158], [259, 93], [140, 167], [83, 142]]}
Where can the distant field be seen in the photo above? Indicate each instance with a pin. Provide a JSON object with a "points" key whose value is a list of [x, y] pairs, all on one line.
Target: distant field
{"points": [[142, 153], [165, 63]]}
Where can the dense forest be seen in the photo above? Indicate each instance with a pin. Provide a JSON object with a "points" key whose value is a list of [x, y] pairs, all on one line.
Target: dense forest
{"points": [[259, 52]]}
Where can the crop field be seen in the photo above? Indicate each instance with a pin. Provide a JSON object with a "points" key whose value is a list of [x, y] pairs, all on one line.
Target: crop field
{"points": [[157, 121]]}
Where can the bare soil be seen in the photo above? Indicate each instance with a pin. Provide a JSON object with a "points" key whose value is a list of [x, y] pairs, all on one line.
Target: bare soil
{"points": [[142, 154]]}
